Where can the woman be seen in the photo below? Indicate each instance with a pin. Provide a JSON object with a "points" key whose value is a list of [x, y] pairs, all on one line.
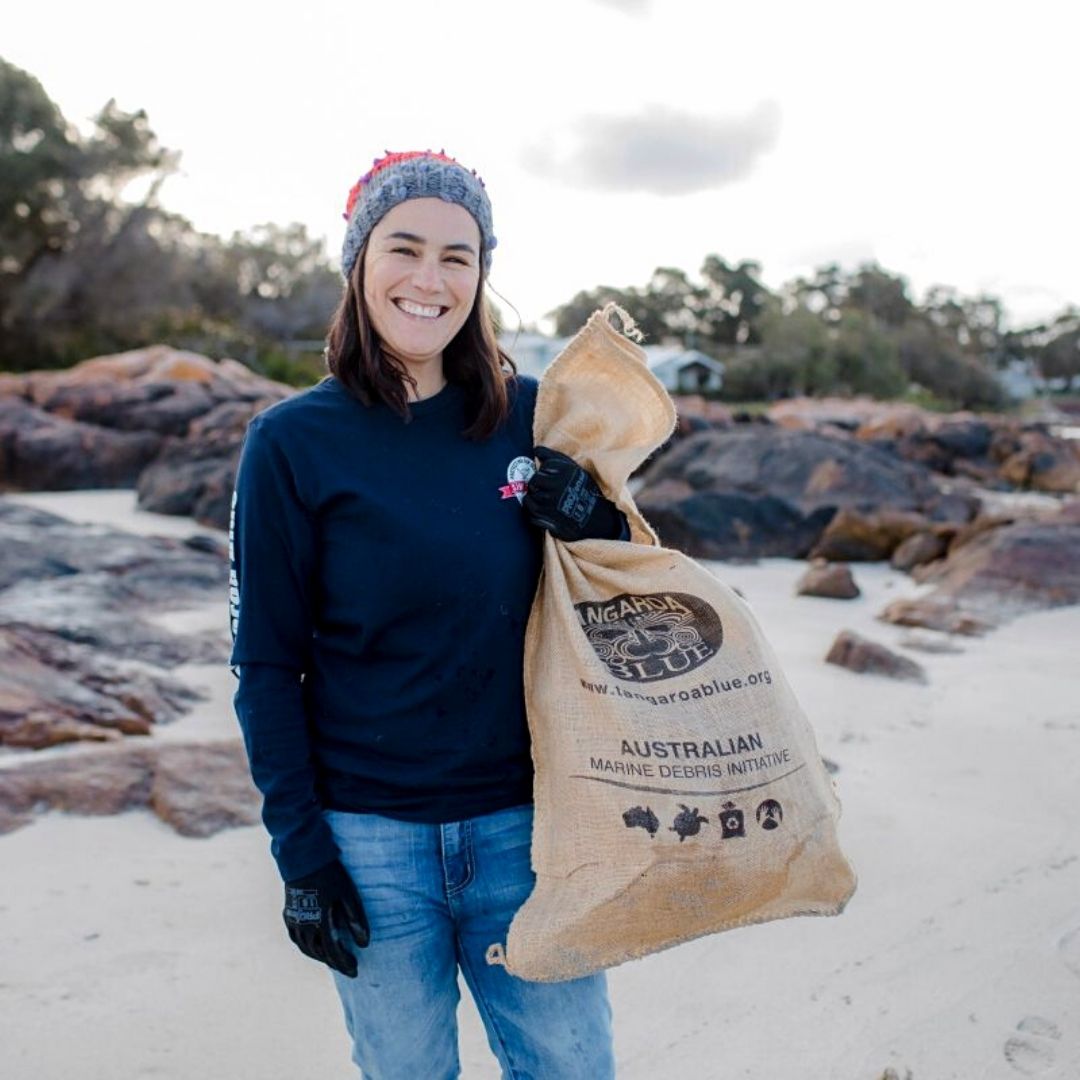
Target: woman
{"points": [[386, 549]]}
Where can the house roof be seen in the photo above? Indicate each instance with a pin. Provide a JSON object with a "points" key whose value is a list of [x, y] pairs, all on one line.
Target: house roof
{"points": [[533, 353]]}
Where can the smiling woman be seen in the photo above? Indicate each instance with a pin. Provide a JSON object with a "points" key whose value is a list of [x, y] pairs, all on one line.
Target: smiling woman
{"points": [[420, 276], [386, 547], [419, 238]]}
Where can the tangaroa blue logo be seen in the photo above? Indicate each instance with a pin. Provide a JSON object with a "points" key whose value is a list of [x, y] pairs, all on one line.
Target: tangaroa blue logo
{"points": [[650, 636]]}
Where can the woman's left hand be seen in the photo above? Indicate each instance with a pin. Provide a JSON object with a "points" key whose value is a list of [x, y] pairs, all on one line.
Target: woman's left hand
{"points": [[564, 499]]}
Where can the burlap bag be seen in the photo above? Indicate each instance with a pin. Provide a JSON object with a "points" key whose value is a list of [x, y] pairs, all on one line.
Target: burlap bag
{"points": [[679, 791]]}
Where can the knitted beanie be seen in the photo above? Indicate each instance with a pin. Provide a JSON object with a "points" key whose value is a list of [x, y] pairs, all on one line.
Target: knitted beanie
{"points": [[414, 174]]}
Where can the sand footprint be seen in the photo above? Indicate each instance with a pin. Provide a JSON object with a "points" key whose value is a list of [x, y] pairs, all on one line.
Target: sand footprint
{"points": [[1069, 949], [1033, 1049]]}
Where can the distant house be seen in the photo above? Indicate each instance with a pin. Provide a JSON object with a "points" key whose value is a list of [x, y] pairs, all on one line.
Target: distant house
{"points": [[681, 371], [532, 352], [1020, 379], [685, 371]]}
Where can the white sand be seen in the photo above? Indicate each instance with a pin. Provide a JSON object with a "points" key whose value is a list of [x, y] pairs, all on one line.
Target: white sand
{"points": [[130, 952]]}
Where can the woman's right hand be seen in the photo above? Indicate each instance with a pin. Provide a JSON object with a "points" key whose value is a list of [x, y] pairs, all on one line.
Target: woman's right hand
{"points": [[321, 910]]}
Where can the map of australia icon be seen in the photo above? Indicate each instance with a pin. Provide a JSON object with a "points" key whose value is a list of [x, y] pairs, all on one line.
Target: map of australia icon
{"points": [[641, 817]]}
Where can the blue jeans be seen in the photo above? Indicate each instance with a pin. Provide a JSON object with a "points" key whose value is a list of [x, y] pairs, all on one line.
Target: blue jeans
{"points": [[436, 897]]}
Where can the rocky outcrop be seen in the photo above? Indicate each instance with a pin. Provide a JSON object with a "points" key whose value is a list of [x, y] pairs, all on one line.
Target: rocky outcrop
{"points": [[918, 549], [1043, 463], [831, 580], [40, 451], [81, 655], [197, 788], [997, 573], [84, 660], [767, 491], [194, 476], [995, 451], [860, 654], [54, 690], [103, 422], [935, 613], [854, 536], [718, 525]]}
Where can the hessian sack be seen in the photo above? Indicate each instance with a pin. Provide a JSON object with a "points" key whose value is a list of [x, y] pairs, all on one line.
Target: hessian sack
{"points": [[678, 788]]}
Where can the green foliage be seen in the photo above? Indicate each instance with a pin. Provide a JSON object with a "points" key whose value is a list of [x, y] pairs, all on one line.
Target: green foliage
{"points": [[835, 333], [296, 370], [1055, 346], [84, 272]]}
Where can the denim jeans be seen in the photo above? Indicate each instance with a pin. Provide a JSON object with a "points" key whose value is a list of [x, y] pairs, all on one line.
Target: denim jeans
{"points": [[436, 897]]}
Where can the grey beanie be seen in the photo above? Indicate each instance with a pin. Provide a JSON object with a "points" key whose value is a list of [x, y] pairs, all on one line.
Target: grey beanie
{"points": [[414, 174]]}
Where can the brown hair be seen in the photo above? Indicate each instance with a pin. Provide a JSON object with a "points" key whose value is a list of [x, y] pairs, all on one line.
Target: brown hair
{"points": [[473, 359]]}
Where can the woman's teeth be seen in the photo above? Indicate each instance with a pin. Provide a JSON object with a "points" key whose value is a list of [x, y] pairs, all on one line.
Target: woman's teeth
{"points": [[422, 310]]}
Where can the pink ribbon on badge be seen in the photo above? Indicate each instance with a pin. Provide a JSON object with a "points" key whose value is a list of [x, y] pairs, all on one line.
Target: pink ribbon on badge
{"points": [[515, 487]]}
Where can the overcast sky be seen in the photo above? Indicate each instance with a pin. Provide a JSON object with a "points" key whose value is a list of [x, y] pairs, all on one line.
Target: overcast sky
{"points": [[618, 135]]}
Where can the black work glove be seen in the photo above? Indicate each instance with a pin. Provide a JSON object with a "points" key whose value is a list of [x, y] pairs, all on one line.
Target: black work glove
{"points": [[564, 499], [320, 909]]}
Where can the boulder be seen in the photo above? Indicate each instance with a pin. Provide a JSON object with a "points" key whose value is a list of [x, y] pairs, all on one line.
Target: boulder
{"points": [[695, 407], [194, 476], [963, 436], [168, 420], [860, 654], [54, 690], [953, 505], [714, 525], [848, 413], [157, 389], [997, 574], [79, 644], [1044, 463], [39, 451], [919, 548], [761, 491], [1023, 566], [935, 613], [197, 788], [854, 536], [166, 408], [832, 580], [806, 470], [106, 781], [201, 788]]}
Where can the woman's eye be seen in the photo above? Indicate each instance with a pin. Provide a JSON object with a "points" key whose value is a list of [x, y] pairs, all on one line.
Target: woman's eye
{"points": [[458, 259], [403, 251]]}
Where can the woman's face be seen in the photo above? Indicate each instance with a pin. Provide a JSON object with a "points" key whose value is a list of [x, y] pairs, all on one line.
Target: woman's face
{"points": [[421, 272]]}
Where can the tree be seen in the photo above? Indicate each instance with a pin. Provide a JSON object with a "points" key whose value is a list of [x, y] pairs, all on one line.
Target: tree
{"points": [[876, 292], [866, 357], [733, 302], [824, 294], [62, 224], [972, 324], [572, 316], [1058, 350], [796, 341], [933, 362], [82, 271]]}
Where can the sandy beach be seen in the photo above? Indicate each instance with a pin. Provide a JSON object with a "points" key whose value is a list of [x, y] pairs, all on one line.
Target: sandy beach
{"points": [[130, 952]]}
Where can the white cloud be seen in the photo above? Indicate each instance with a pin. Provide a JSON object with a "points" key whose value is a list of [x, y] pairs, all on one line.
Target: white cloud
{"points": [[628, 7], [661, 150]]}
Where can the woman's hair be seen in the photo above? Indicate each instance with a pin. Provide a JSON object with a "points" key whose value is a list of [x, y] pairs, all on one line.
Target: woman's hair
{"points": [[473, 359]]}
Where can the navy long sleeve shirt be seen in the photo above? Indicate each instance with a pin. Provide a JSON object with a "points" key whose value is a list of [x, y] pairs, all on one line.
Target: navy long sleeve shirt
{"points": [[383, 574]]}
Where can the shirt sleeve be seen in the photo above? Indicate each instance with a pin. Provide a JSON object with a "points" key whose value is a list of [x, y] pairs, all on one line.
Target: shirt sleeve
{"points": [[272, 550]]}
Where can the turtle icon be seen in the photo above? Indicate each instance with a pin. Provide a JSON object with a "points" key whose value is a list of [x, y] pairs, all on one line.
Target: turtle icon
{"points": [[687, 822]]}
